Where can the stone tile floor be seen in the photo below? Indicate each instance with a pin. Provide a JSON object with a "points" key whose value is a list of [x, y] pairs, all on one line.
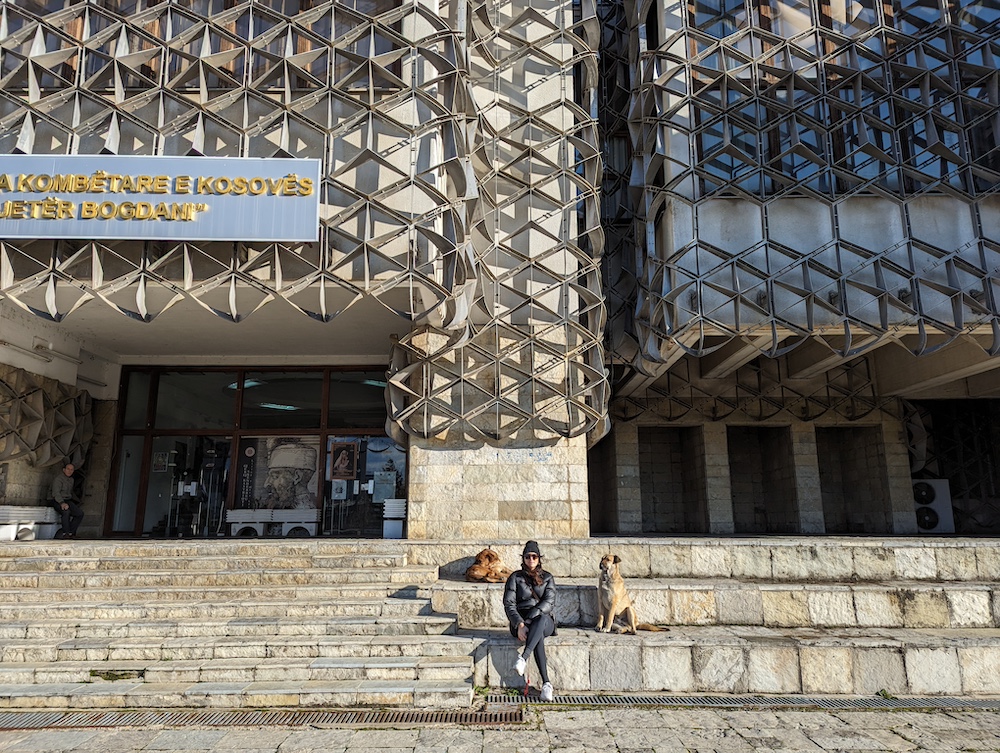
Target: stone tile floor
{"points": [[620, 730]]}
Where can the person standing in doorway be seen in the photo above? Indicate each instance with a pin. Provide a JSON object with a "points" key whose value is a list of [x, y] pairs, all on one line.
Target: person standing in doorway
{"points": [[529, 600], [61, 498]]}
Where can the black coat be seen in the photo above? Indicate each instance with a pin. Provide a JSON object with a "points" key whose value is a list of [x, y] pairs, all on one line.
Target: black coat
{"points": [[523, 601]]}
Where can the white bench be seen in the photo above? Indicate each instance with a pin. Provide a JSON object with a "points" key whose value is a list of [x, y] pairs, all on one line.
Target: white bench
{"points": [[257, 520], [27, 522]]}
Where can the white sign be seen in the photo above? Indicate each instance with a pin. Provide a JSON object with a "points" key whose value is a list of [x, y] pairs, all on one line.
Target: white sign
{"points": [[159, 198]]}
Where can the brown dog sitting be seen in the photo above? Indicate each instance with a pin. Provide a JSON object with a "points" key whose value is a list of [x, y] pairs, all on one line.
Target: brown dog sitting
{"points": [[613, 600], [487, 568]]}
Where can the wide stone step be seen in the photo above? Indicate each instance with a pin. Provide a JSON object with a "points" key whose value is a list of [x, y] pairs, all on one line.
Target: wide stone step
{"points": [[278, 548], [135, 609], [911, 604], [759, 660], [358, 627], [279, 669], [142, 594], [245, 648], [278, 694], [229, 576], [204, 562]]}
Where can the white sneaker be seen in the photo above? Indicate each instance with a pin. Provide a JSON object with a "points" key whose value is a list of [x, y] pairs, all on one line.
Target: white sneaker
{"points": [[547, 691], [520, 665]]}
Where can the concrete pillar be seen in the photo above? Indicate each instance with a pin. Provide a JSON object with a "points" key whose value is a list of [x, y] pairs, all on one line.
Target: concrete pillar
{"points": [[897, 480], [626, 483], [805, 463], [718, 492], [468, 493]]}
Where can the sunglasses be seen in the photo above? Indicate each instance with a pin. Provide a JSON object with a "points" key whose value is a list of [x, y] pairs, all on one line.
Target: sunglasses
{"points": [[531, 556]]}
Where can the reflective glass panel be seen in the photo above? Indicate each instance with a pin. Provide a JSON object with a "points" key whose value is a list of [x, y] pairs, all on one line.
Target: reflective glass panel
{"points": [[136, 400], [196, 400], [282, 400], [357, 399], [186, 493]]}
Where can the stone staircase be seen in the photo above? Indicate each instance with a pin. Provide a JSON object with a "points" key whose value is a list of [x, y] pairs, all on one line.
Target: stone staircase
{"points": [[225, 624], [310, 622]]}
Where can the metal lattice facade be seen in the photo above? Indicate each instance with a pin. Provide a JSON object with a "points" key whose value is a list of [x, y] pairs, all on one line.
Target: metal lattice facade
{"points": [[460, 172], [805, 169]]}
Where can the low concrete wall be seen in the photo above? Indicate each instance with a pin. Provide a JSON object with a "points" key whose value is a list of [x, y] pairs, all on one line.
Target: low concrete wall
{"points": [[755, 660]]}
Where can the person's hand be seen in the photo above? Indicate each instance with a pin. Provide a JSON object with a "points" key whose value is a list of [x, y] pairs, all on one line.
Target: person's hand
{"points": [[522, 633], [63, 506]]}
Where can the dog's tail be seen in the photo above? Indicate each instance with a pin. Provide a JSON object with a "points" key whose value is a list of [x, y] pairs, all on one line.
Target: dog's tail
{"points": [[652, 628]]}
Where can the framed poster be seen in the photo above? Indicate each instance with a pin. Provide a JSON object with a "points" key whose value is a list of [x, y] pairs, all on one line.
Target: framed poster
{"points": [[160, 462], [342, 458]]}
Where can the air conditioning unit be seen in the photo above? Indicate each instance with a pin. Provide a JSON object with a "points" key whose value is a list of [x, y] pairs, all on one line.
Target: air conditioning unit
{"points": [[932, 499]]}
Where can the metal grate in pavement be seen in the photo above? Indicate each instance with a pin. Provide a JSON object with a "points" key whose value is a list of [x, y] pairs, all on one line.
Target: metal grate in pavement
{"points": [[12, 720], [757, 701]]}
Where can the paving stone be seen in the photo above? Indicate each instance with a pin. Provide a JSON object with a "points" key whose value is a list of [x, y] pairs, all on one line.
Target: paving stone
{"points": [[933, 670]]}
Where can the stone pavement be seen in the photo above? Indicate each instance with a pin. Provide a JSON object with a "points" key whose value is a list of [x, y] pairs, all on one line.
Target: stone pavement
{"points": [[568, 731]]}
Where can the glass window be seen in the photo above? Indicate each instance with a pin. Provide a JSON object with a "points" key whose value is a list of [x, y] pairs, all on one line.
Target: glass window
{"points": [[277, 473], [357, 399], [186, 493], [196, 400], [136, 400], [282, 400]]}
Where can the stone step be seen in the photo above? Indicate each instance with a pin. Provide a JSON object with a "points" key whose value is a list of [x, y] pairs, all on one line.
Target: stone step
{"points": [[203, 562], [272, 592], [279, 694], [228, 576], [360, 628], [278, 548], [167, 650], [911, 604], [278, 669], [137, 608], [751, 659], [249, 649]]}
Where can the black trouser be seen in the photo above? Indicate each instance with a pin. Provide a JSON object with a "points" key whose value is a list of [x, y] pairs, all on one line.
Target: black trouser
{"points": [[540, 628], [71, 516]]}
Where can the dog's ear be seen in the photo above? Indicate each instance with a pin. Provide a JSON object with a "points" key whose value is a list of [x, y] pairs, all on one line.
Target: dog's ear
{"points": [[617, 559]]}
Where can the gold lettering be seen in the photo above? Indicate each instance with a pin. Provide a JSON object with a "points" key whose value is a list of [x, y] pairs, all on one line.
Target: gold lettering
{"points": [[161, 184], [126, 210], [182, 184], [143, 210], [257, 186], [223, 185], [127, 184], [306, 187], [65, 211], [62, 182], [98, 182], [106, 210], [49, 207], [274, 185], [88, 210], [204, 185], [143, 183], [5, 182], [24, 183], [240, 186]]}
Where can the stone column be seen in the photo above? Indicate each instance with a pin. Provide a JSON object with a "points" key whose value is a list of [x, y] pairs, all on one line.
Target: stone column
{"points": [[626, 483], [808, 494], [717, 489], [897, 481], [487, 493]]}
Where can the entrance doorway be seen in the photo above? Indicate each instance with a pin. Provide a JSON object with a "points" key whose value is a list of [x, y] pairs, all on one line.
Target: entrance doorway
{"points": [[254, 452]]}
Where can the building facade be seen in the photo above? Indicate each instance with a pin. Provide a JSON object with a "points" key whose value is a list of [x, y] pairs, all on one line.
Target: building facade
{"points": [[646, 268]]}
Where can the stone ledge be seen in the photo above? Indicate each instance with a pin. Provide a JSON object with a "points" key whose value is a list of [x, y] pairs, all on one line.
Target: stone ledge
{"points": [[757, 660], [909, 604]]}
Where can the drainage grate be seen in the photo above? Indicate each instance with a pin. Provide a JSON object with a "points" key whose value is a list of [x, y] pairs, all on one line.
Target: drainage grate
{"points": [[252, 718], [757, 701]]}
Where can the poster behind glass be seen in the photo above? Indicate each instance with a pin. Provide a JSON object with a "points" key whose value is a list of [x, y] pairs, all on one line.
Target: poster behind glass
{"points": [[277, 473], [361, 472]]}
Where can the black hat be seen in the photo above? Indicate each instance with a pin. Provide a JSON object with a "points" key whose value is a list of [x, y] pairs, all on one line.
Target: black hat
{"points": [[531, 548]]}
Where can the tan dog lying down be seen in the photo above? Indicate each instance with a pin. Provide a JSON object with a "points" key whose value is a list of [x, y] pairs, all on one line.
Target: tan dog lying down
{"points": [[487, 568], [613, 600]]}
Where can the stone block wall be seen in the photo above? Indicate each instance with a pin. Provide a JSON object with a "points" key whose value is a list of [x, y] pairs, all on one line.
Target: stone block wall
{"points": [[762, 478], [487, 493], [853, 485], [671, 481]]}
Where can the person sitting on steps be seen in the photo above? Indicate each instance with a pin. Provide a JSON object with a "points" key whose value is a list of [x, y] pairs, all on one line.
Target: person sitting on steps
{"points": [[529, 599], [62, 500]]}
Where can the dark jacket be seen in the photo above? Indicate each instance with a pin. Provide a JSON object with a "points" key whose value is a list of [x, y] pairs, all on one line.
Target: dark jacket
{"points": [[523, 601]]}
